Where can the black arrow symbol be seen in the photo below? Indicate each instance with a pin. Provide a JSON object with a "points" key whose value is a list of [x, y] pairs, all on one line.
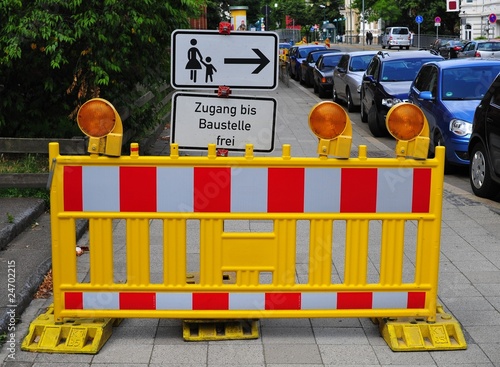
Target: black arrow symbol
{"points": [[262, 60]]}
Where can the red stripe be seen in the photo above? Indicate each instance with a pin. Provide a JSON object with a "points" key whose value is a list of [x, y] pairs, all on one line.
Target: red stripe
{"points": [[138, 301], [73, 188], [212, 189], [283, 301], [421, 190], [416, 300], [210, 301], [138, 189], [354, 300], [358, 190], [285, 190], [73, 300]]}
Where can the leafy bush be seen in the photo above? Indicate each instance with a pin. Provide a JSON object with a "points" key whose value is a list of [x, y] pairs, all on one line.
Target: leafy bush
{"points": [[57, 54]]}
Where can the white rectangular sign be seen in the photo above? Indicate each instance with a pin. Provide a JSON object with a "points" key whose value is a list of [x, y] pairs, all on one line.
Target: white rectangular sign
{"points": [[240, 60], [229, 123]]}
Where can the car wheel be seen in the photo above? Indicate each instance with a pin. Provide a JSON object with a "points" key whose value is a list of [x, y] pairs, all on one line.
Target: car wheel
{"points": [[350, 103], [290, 71], [376, 128], [439, 142], [315, 87], [383, 46], [479, 173], [407, 47], [335, 96], [301, 81], [388, 47], [364, 116]]}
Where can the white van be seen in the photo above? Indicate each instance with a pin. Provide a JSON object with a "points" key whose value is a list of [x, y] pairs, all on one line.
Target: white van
{"points": [[396, 37]]}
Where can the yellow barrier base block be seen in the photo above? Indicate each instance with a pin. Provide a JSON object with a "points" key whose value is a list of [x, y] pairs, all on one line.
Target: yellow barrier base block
{"points": [[410, 334], [203, 330], [72, 336]]}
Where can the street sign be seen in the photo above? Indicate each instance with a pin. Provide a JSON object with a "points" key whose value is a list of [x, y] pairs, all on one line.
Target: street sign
{"points": [[230, 122], [419, 19], [437, 20], [207, 59], [492, 18]]}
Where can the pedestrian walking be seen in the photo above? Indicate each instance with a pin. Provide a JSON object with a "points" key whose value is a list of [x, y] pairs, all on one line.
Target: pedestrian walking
{"points": [[369, 37]]}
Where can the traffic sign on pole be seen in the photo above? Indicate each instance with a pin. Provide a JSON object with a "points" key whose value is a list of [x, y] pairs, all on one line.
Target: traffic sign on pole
{"points": [[492, 18], [230, 122], [241, 60]]}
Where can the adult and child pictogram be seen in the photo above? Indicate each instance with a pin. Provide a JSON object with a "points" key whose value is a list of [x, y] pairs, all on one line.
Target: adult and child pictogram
{"points": [[195, 62]]}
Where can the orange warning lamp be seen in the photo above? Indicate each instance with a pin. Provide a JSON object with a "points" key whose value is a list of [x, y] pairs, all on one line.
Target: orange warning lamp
{"points": [[99, 120], [331, 124], [408, 125]]}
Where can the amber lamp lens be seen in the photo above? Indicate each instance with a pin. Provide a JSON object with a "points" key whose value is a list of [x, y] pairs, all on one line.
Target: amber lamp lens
{"points": [[96, 118], [405, 121], [327, 120]]}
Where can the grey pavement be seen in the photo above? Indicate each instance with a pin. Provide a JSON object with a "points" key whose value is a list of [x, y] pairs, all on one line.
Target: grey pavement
{"points": [[469, 288]]}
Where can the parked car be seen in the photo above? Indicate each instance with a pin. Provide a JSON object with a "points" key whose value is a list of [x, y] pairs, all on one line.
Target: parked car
{"points": [[396, 37], [490, 48], [446, 48], [347, 77], [307, 66], [448, 94], [484, 144], [386, 82], [437, 44], [323, 73], [295, 56]]}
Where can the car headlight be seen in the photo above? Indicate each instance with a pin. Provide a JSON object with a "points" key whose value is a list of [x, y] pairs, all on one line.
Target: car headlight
{"points": [[389, 102], [460, 127]]}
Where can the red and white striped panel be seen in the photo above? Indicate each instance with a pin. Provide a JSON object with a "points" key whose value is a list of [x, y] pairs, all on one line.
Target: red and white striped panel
{"points": [[246, 190], [199, 301]]}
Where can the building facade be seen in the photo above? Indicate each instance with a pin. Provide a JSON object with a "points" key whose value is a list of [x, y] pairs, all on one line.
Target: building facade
{"points": [[475, 16]]}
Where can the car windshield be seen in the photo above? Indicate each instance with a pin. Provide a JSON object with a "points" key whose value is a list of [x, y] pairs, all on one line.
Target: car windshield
{"points": [[467, 82], [402, 70], [360, 63], [315, 56]]}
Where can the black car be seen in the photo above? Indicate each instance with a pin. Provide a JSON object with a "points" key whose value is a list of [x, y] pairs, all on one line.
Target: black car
{"points": [[307, 66], [484, 144], [386, 82], [295, 56], [323, 73]]}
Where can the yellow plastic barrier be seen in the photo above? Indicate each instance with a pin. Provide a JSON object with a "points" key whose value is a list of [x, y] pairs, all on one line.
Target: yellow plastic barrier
{"points": [[393, 204]]}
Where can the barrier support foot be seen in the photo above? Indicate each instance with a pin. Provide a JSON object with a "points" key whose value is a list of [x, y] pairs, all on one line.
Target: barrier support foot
{"points": [[413, 334], [202, 330], [79, 336]]}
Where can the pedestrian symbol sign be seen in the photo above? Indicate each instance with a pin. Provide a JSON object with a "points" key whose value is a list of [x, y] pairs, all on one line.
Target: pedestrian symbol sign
{"points": [[207, 59]]}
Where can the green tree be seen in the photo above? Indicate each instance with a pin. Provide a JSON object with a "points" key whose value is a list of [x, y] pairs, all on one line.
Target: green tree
{"points": [[56, 54]]}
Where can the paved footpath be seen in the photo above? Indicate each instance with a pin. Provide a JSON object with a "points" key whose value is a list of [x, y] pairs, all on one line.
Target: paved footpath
{"points": [[469, 288]]}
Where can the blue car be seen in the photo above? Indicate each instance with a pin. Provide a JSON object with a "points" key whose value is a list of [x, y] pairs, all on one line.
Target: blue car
{"points": [[448, 93], [296, 55]]}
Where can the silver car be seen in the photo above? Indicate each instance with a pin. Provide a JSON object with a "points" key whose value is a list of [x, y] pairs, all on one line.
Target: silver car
{"points": [[347, 77], [483, 49]]}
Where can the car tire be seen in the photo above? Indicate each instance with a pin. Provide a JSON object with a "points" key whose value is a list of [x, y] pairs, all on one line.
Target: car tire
{"points": [[335, 96], [364, 116], [407, 47], [383, 46], [315, 87], [479, 173], [374, 125], [350, 103]]}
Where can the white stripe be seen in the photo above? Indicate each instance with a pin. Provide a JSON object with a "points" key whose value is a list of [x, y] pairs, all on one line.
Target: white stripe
{"points": [[319, 301], [174, 301], [249, 190], [101, 189], [385, 300], [322, 190], [394, 190], [175, 187], [247, 301], [101, 301]]}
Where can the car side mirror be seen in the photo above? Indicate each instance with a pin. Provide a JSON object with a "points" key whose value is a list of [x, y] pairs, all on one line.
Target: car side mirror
{"points": [[426, 95], [368, 78]]}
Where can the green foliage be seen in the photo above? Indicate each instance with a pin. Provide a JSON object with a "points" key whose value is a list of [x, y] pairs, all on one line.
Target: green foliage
{"points": [[57, 54]]}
